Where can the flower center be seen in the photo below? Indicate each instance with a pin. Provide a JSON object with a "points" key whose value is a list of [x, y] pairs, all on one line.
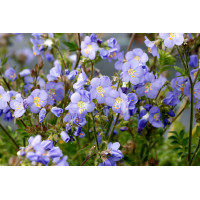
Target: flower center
{"points": [[156, 116], [12, 76], [0, 96], [147, 87], [172, 36], [36, 101], [114, 87], [52, 93], [149, 50], [137, 58], [88, 49], [81, 105], [118, 102], [131, 72], [100, 91]]}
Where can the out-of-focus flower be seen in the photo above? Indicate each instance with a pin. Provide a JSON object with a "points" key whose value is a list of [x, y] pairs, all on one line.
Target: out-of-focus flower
{"points": [[11, 74]]}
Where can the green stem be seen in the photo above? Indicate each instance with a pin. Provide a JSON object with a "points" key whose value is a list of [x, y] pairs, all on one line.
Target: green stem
{"points": [[195, 153], [94, 130], [87, 158], [13, 141], [113, 128], [79, 49], [61, 56], [191, 119]]}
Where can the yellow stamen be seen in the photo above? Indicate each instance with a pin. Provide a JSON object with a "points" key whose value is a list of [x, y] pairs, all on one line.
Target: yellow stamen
{"points": [[36, 101], [137, 58], [100, 91]]}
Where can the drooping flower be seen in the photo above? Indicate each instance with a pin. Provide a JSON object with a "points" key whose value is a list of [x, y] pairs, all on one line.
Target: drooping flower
{"points": [[11, 74], [81, 103], [132, 72], [82, 79], [55, 92], [171, 39], [178, 83], [49, 57], [19, 105], [120, 62], [42, 115], [40, 43], [57, 111], [113, 154], [79, 132], [171, 98], [25, 72], [55, 72], [193, 61], [197, 90], [72, 74], [151, 47], [154, 117], [37, 100], [4, 98], [89, 48], [62, 161], [100, 88], [65, 137]]}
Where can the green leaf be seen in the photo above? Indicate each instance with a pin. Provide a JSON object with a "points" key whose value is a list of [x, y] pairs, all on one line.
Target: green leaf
{"points": [[182, 132], [4, 61], [162, 69], [71, 45], [180, 70], [166, 58]]}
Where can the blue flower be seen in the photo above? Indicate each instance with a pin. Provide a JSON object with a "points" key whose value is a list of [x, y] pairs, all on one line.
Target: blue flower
{"points": [[4, 98], [113, 153], [150, 87], [138, 55], [89, 48], [197, 90], [82, 79], [55, 72], [154, 117], [65, 137], [11, 74], [80, 103], [62, 161], [79, 132], [25, 72], [132, 72], [151, 47], [55, 92], [171, 39], [171, 98], [100, 88], [120, 62], [37, 100], [57, 111], [117, 100], [178, 83], [18, 105], [49, 57], [72, 75], [193, 61], [42, 115]]}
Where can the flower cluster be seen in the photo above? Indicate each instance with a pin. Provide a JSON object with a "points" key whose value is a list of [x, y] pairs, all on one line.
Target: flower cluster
{"points": [[74, 100]]}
